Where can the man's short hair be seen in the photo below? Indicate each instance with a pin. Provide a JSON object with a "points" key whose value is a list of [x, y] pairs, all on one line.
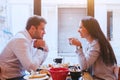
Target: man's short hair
{"points": [[35, 21]]}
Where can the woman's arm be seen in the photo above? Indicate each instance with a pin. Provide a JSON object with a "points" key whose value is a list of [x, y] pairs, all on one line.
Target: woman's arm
{"points": [[89, 57]]}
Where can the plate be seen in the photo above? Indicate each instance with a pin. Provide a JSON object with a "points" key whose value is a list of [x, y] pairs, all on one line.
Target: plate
{"points": [[43, 78]]}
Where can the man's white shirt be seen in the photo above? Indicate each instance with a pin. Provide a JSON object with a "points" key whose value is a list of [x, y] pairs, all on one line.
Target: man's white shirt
{"points": [[20, 55]]}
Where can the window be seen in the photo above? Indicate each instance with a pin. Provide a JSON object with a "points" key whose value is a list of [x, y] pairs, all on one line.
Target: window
{"points": [[68, 24], [109, 25]]}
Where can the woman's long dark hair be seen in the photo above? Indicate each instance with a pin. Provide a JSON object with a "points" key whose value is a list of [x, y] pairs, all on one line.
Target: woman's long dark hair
{"points": [[95, 31]]}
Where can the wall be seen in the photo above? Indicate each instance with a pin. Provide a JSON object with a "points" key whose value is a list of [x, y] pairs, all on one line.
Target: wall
{"points": [[18, 13], [49, 11], [116, 34], [20, 10], [101, 8]]}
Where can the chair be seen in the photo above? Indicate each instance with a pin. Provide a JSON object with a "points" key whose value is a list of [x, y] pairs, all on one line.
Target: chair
{"points": [[119, 74]]}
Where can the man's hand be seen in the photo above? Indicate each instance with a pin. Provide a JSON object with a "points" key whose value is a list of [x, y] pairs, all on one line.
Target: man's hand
{"points": [[39, 43]]}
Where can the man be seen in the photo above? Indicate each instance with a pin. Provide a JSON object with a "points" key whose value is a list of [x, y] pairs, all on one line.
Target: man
{"points": [[25, 51]]}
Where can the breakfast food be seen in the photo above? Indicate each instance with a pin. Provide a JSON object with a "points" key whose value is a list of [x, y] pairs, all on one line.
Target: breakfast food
{"points": [[44, 71], [65, 65], [50, 66], [37, 76]]}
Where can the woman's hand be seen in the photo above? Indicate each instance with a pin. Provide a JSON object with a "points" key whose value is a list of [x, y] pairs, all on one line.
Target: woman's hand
{"points": [[74, 41]]}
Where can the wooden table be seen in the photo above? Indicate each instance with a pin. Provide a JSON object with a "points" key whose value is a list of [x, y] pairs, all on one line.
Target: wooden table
{"points": [[68, 78]]}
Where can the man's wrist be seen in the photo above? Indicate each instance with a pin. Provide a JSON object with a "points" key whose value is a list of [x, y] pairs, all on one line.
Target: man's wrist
{"points": [[40, 48]]}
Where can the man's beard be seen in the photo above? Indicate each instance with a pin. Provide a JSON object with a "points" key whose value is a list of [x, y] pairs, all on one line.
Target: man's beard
{"points": [[36, 36]]}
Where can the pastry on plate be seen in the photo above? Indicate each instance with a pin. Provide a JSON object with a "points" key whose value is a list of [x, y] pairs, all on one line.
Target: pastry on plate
{"points": [[37, 76], [44, 71]]}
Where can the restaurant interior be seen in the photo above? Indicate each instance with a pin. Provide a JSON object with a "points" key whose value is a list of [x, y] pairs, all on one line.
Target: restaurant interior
{"points": [[63, 17]]}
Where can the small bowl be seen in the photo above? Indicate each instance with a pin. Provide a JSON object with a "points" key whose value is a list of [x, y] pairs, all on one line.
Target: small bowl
{"points": [[75, 75]]}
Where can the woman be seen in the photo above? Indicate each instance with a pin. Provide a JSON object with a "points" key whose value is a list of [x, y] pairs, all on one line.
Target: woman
{"points": [[98, 57]]}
